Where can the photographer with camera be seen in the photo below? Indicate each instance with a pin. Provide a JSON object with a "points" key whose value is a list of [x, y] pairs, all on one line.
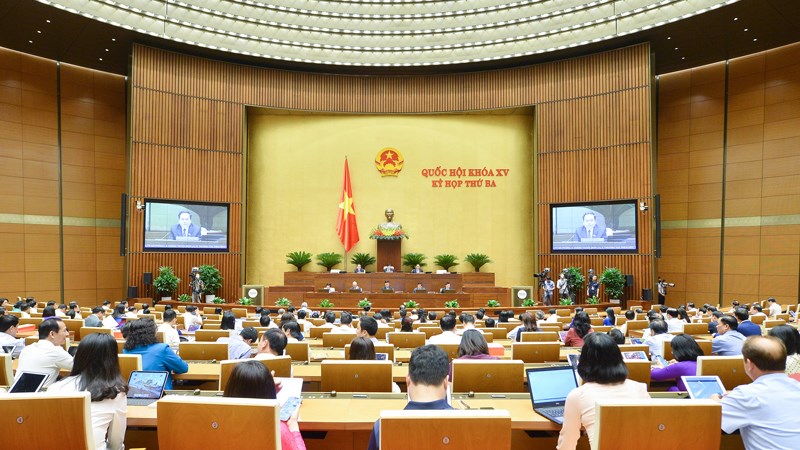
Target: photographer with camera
{"points": [[563, 285], [547, 285], [662, 290]]}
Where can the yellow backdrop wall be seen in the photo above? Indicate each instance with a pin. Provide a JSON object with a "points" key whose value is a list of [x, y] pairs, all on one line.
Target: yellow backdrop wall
{"points": [[294, 178]]}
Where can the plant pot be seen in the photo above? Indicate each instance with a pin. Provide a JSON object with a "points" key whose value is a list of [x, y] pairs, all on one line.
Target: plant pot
{"points": [[210, 298], [166, 298], [615, 301]]}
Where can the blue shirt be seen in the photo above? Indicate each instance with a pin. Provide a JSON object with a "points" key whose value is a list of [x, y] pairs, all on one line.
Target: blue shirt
{"points": [[762, 412], [728, 344], [748, 328], [375, 438], [159, 357]]}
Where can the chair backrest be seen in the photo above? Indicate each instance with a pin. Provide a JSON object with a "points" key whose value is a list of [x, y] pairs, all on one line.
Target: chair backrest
{"points": [[161, 308], [209, 309], [539, 336], [429, 429], [6, 370], [695, 328], [508, 326], [596, 321], [128, 363], [239, 312], [488, 336], [563, 312], [636, 325], [298, 351], [220, 422], [758, 320], [210, 335], [630, 423], [450, 349], [74, 325], [316, 333], [705, 346], [85, 331], [591, 311], [769, 323], [379, 348], [30, 320], [639, 370], [281, 365], [430, 331], [635, 348], [536, 352], [406, 340], [27, 417], [251, 323], [212, 326], [498, 333], [356, 376], [203, 351], [729, 369], [337, 340], [470, 375], [602, 328], [382, 331]]}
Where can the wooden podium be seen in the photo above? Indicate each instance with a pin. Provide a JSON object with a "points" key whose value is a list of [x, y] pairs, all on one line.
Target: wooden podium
{"points": [[389, 252]]}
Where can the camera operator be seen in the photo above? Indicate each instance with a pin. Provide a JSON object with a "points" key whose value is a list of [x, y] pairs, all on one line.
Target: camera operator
{"points": [[662, 290], [547, 285], [563, 285]]}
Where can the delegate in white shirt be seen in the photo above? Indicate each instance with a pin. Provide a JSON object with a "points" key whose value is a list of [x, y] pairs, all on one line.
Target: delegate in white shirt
{"points": [[109, 416]]}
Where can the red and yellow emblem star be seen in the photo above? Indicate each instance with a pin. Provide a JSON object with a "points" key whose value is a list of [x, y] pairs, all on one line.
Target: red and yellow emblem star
{"points": [[389, 162]]}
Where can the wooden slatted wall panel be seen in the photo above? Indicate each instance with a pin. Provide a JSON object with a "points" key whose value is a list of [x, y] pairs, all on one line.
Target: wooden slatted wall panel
{"points": [[188, 113]]}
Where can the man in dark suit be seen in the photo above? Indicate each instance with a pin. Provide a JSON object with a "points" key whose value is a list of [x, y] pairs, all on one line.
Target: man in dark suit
{"points": [[184, 227], [590, 229], [416, 269], [359, 269]]}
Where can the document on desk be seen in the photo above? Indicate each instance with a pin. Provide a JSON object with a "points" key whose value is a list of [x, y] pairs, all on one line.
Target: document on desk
{"points": [[290, 387]]}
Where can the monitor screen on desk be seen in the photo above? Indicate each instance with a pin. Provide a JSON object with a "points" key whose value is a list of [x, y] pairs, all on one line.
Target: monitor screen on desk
{"points": [[600, 227], [175, 226]]}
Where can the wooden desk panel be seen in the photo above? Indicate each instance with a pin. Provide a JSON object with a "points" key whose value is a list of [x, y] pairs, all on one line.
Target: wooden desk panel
{"points": [[373, 282]]}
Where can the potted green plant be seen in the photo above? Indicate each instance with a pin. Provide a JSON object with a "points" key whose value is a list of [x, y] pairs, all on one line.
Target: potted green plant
{"points": [[365, 259], [411, 260], [185, 298], [452, 303], [283, 302], [528, 302], [328, 260], [212, 281], [244, 301], [445, 261], [166, 282], [218, 300], [411, 304], [592, 300], [477, 260], [613, 282], [565, 301], [325, 303], [492, 304], [364, 303], [298, 259], [575, 280]]}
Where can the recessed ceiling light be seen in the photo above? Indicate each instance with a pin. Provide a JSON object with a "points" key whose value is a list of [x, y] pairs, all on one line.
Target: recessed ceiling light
{"points": [[669, 37], [106, 49], [39, 31], [676, 48], [746, 29], [30, 42], [100, 59], [113, 40], [735, 19], [683, 57], [48, 20], [754, 40]]}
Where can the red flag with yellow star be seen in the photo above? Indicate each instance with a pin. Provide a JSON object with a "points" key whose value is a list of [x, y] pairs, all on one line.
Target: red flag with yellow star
{"points": [[346, 226]]}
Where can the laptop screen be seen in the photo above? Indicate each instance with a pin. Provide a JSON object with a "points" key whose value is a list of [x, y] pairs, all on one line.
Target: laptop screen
{"points": [[146, 384], [28, 382], [550, 384]]}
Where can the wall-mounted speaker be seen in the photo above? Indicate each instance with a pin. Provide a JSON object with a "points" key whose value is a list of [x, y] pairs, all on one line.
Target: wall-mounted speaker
{"points": [[647, 294], [147, 277], [133, 291], [628, 280]]}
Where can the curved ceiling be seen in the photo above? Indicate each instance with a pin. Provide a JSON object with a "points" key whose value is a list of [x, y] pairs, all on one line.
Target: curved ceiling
{"points": [[387, 33]]}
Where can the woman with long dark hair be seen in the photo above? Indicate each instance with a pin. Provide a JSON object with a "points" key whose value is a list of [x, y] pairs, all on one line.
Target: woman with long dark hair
{"points": [[604, 376], [791, 340], [95, 369], [141, 340], [292, 331], [251, 379], [685, 352], [581, 327], [528, 324]]}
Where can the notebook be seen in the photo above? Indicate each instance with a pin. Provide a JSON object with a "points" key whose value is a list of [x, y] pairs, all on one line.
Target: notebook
{"points": [[145, 387], [549, 387], [28, 382], [703, 386]]}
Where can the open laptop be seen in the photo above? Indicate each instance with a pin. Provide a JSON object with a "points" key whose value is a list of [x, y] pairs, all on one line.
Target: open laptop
{"points": [[549, 387], [28, 382], [703, 386], [146, 387]]}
